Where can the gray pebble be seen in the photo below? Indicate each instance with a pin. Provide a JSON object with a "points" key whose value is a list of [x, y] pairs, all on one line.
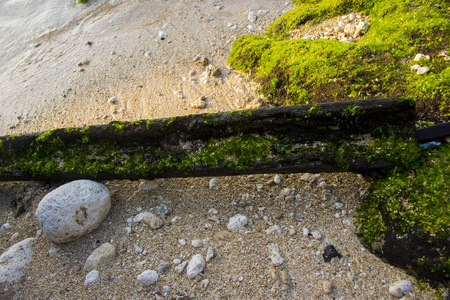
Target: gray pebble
{"points": [[163, 267]]}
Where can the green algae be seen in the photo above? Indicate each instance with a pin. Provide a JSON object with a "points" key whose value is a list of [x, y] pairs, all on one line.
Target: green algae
{"points": [[303, 71], [413, 203], [49, 155]]}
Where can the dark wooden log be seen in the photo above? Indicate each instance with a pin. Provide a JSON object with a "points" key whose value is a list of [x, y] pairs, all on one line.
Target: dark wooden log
{"points": [[433, 133], [328, 137]]}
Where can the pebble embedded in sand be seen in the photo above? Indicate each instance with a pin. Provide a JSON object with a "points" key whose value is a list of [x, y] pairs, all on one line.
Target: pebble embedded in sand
{"points": [[180, 268], [195, 266], [275, 255], [197, 243], [214, 183], [199, 103], [327, 287], [91, 277], [237, 222], [273, 229], [148, 277], [317, 235], [252, 16], [400, 288], [210, 254], [113, 100]]}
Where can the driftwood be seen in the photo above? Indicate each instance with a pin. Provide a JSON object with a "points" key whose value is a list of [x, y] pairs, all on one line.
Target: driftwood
{"points": [[329, 137]]}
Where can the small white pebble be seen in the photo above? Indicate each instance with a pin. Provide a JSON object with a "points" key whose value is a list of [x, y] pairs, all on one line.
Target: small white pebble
{"points": [[197, 243], [423, 70], [305, 231], [182, 242], [138, 249], [317, 235], [91, 277], [277, 179], [148, 277], [400, 288]]}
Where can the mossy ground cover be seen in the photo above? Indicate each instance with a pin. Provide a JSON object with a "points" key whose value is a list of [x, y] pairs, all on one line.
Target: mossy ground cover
{"points": [[303, 71], [411, 205], [406, 218]]}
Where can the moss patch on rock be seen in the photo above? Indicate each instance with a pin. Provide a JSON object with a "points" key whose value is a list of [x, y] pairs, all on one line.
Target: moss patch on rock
{"points": [[303, 71], [406, 218]]}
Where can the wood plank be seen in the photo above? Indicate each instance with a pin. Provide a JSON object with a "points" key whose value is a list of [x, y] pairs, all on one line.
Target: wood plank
{"points": [[433, 133], [328, 137]]}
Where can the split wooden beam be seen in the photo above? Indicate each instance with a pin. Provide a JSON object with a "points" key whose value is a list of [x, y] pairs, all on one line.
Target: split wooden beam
{"points": [[330, 137]]}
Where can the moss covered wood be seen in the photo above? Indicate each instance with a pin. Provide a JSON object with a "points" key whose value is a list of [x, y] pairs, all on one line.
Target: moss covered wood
{"points": [[343, 136]]}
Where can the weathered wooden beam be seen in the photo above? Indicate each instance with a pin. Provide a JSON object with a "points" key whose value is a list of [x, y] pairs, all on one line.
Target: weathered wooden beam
{"points": [[433, 133], [329, 137]]}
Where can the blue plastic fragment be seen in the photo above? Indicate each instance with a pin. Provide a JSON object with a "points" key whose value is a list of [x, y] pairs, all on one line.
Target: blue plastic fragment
{"points": [[430, 145]]}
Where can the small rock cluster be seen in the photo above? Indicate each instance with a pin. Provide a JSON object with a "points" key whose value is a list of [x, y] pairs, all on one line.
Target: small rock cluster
{"points": [[209, 74], [421, 70], [349, 28]]}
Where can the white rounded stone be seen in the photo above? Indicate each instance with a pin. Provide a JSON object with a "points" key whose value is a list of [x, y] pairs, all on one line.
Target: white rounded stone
{"points": [[91, 277], [252, 16], [197, 243], [148, 277], [423, 70], [100, 256], [305, 231], [73, 210], [277, 179], [195, 266], [237, 222], [317, 235], [420, 56], [5, 226], [14, 263], [400, 288]]}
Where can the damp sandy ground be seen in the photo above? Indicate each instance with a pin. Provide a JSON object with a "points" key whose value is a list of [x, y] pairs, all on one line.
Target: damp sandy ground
{"points": [[65, 77], [44, 87]]}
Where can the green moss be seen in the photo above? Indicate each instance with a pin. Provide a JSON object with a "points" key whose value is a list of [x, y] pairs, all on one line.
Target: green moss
{"points": [[312, 111], [138, 122], [70, 130], [415, 200], [207, 119], [168, 122], [119, 127], [303, 71], [395, 148], [149, 124], [82, 1], [245, 113], [85, 130], [45, 137]]}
